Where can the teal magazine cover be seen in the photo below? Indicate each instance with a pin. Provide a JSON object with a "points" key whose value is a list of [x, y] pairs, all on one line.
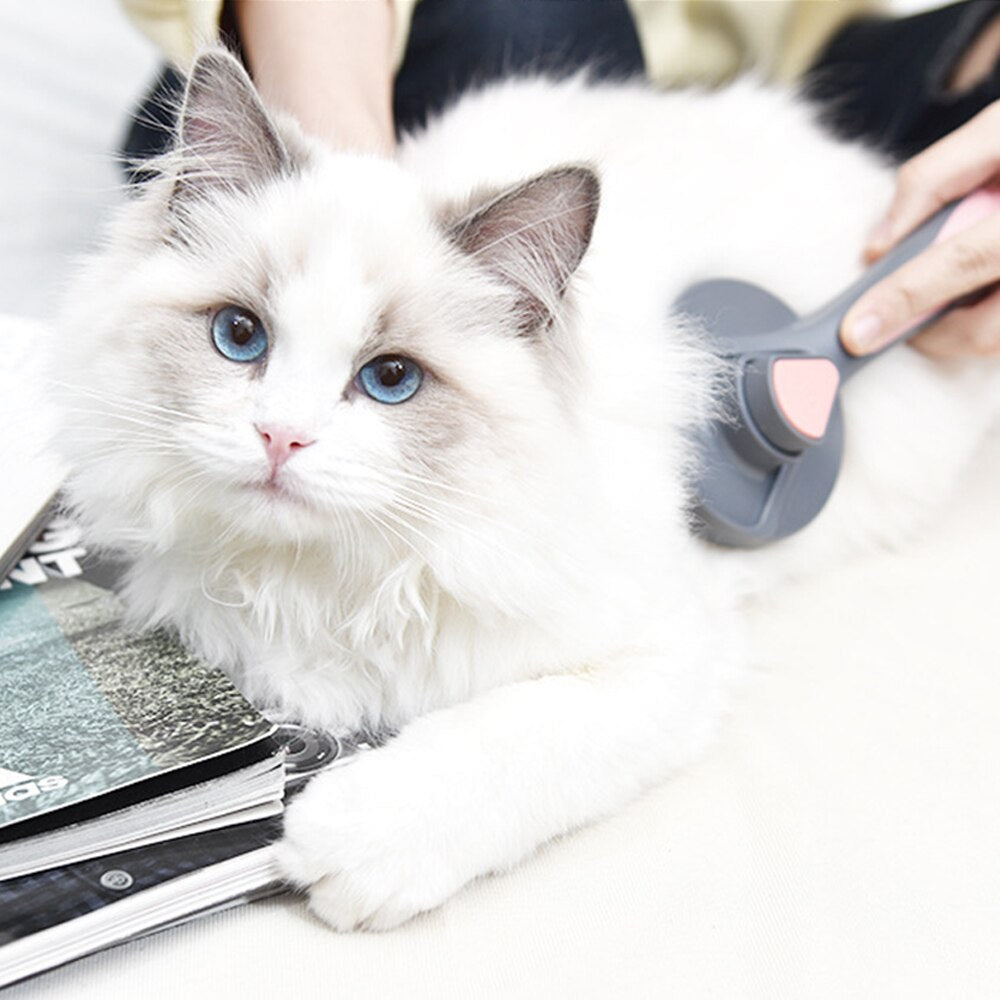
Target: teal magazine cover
{"points": [[91, 713]]}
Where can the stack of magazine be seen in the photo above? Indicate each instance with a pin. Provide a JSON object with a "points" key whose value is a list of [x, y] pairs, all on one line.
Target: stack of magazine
{"points": [[137, 787]]}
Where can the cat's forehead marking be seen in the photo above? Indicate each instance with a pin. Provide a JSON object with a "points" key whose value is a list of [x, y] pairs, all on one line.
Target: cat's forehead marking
{"points": [[346, 268], [325, 311]]}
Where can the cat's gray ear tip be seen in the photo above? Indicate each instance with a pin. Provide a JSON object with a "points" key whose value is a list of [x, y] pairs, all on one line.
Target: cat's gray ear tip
{"points": [[584, 173], [211, 63], [587, 180], [587, 172]]}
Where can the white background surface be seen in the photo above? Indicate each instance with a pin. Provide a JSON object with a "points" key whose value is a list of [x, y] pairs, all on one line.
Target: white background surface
{"points": [[840, 840], [69, 70]]}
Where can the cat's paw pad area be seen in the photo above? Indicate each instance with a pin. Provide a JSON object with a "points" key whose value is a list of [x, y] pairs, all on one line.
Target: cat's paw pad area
{"points": [[367, 849]]}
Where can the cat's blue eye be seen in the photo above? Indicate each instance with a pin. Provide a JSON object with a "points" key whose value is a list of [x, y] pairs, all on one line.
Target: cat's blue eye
{"points": [[390, 378], [239, 335]]}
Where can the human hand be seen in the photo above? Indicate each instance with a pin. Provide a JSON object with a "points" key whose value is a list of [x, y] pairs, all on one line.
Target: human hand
{"points": [[966, 159]]}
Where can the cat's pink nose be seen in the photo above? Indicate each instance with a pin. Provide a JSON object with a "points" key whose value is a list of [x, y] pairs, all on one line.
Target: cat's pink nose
{"points": [[281, 442]]}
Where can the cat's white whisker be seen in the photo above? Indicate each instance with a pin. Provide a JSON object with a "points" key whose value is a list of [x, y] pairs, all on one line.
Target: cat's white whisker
{"points": [[379, 521], [125, 418], [435, 510], [125, 403]]}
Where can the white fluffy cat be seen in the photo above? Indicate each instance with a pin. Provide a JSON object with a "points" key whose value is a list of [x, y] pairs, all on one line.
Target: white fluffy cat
{"points": [[403, 445]]}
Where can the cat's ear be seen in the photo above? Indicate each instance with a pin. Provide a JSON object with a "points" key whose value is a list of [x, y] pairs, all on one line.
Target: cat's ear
{"points": [[226, 140], [534, 236]]}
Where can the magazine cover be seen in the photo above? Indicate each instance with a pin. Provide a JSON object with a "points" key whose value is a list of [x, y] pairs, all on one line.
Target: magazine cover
{"points": [[88, 708]]}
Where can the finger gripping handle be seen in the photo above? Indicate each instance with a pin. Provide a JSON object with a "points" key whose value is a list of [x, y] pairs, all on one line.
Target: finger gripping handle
{"points": [[942, 226]]}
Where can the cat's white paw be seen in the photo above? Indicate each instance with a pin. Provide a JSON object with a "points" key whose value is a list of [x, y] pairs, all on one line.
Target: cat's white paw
{"points": [[370, 846]]}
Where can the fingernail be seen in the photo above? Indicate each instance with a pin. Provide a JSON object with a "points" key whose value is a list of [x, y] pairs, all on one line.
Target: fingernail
{"points": [[863, 333], [879, 237]]}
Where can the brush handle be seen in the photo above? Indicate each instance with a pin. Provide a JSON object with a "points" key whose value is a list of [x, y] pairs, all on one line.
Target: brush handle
{"points": [[819, 333]]}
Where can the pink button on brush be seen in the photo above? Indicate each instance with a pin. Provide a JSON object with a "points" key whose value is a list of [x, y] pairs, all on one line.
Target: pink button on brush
{"points": [[805, 390]]}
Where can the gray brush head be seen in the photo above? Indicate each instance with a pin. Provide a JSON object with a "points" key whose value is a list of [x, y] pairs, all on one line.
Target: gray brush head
{"points": [[768, 464]]}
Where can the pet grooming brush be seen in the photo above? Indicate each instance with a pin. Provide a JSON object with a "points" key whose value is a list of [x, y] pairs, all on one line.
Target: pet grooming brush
{"points": [[769, 463]]}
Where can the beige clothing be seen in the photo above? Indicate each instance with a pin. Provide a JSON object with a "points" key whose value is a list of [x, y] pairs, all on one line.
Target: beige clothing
{"points": [[709, 41], [683, 41]]}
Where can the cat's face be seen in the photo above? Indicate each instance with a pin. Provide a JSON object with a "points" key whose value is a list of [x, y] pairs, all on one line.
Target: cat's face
{"points": [[278, 346]]}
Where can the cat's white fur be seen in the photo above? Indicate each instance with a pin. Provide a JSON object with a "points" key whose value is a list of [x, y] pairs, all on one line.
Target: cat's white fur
{"points": [[504, 576]]}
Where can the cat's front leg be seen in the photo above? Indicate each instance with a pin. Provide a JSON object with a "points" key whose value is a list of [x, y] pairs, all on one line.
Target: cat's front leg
{"points": [[475, 788]]}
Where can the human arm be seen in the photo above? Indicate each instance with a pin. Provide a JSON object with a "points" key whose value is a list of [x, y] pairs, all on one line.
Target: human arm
{"points": [[328, 64]]}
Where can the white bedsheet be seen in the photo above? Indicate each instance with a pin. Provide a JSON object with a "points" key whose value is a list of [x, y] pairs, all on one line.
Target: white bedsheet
{"points": [[840, 840]]}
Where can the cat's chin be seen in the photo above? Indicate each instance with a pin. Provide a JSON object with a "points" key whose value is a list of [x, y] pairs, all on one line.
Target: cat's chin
{"points": [[277, 513], [273, 491], [266, 511]]}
